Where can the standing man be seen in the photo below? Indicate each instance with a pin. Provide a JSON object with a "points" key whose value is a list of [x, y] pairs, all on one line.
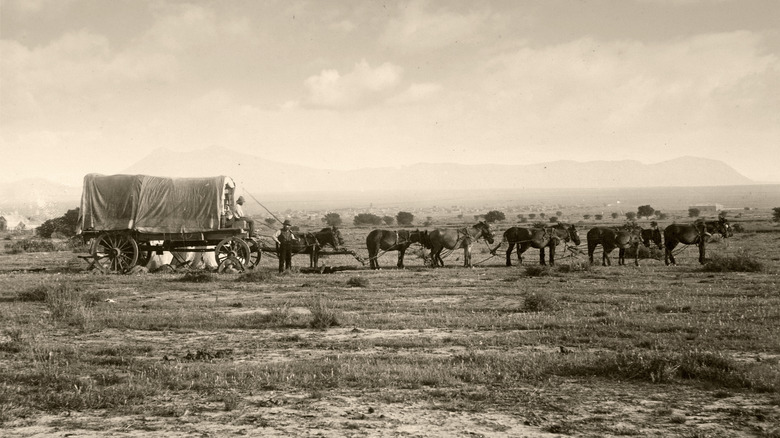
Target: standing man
{"points": [[284, 239], [238, 214]]}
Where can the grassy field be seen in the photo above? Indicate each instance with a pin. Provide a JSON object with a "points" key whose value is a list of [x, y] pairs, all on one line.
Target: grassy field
{"points": [[490, 351]]}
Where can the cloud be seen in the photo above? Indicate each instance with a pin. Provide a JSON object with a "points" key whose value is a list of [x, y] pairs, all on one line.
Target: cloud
{"points": [[419, 29], [76, 66], [331, 89], [623, 81], [416, 93]]}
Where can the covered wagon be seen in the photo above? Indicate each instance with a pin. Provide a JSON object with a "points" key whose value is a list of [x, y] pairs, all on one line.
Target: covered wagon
{"points": [[128, 218]]}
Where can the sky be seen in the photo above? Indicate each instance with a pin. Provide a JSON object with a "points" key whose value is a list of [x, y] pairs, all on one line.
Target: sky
{"points": [[94, 86]]}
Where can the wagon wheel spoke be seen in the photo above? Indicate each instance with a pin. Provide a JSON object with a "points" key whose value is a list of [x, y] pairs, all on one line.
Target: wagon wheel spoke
{"points": [[254, 254], [233, 247], [117, 253]]}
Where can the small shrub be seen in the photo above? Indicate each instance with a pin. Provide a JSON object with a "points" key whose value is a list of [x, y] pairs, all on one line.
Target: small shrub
{"points": [[742, 262], [322, 315], [539, 303], [31, 245], [578, 266], [281, 314], [538, 271], [36, 294], [358, 282], [255, 276], [197, 277], [72, 306]]}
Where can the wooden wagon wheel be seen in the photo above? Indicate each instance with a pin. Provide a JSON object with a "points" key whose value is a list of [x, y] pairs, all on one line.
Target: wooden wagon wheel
{"points": [[233, 247], [115, 252], [254, 254]]}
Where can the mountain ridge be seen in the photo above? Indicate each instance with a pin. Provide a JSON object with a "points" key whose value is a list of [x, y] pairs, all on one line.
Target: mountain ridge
{"points": [[258, 175]]}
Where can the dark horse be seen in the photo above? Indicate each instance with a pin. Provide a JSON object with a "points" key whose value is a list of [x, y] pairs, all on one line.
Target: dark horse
{"points": [[540, 238], [611, 238], [689, 234], [311, 243], [387, 240], [652, 235], [458, 238]]}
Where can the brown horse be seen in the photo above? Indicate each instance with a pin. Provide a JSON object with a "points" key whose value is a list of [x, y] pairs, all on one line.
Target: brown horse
{"points": [[387, 240], [539, 238], [611, 238], [311, 243], [459, 238], [652, 235], [696, 233]]}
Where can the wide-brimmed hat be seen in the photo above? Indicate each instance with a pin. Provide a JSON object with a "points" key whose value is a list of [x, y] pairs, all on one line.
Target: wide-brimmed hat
{"points": [[240, 199], [286, 222]]}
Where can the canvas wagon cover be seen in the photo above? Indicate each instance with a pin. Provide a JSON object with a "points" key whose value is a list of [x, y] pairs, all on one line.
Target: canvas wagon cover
{"points": [[151, 204]]}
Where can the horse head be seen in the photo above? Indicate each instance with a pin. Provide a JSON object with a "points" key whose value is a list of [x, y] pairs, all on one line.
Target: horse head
{"points": [[654, 235], [330, 236], [566, 233], [572, 233], [420, 237], [484, 231]]}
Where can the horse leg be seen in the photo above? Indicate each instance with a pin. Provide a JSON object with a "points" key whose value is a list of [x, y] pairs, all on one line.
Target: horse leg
{"points": [[520, 250], [372, 258], [509, 253], [541, 256], [467, 256], [636, 255], [701, 251], [591, 250], [621, 257], [605, 261], [668, 255]]}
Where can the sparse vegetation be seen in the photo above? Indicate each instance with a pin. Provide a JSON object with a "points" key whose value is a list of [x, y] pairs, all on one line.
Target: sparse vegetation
{"points": [[645, 211], [358, 282], [197, 277], [460, 342], [404, 218], [323, 316], [64, 225], [31, 245], [367, 219], [494, 216], [743, 261], [332, 219]]}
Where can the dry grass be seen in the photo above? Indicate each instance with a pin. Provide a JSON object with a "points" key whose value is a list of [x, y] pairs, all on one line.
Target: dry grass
{"points": [[578, 349]]}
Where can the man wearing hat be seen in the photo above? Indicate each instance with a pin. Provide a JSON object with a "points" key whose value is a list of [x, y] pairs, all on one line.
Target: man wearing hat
{"points": [[238, 214], [284, 239]]}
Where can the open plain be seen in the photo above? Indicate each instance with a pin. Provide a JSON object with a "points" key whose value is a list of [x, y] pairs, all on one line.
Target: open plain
{"points": [[573, 350]]}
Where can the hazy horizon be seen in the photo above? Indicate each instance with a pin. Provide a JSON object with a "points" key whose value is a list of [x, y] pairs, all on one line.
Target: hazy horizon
{"points": [[91, 86]]}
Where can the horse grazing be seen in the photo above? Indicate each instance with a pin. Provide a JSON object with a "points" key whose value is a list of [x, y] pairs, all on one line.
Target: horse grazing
{"points": [[651, 235], [696, 233], [387, 240], [539, 238], [611, 238], [311, 243], [458, 238]]}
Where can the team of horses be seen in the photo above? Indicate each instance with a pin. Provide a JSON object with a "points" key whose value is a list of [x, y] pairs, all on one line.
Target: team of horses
{"points": [[520, 239]]}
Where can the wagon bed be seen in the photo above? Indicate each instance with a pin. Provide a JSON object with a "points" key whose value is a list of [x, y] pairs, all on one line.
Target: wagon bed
{"points": [[128, 218]]}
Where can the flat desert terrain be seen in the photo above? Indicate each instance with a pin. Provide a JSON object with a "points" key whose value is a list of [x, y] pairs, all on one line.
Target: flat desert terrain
{"points": [[487, 351]]}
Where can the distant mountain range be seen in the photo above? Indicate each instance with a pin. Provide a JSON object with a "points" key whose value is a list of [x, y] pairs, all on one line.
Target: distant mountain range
{"points": [[257, 176]]}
